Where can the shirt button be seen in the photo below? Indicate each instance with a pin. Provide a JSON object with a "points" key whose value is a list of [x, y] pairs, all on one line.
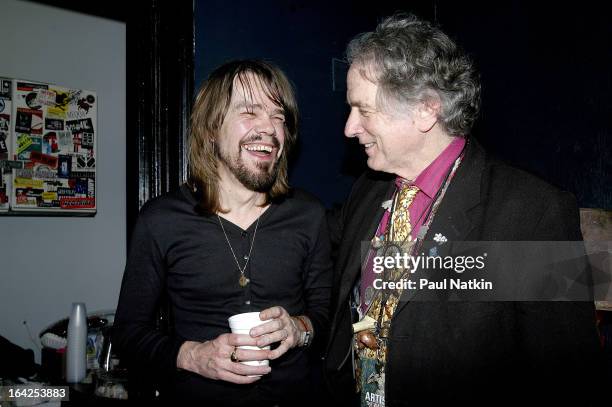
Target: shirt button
{"points": [[247, 302], [246, 257], [244, 234]]}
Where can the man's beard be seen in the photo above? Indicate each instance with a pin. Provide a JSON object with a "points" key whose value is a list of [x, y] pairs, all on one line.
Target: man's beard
{"points": [[260, 180]]}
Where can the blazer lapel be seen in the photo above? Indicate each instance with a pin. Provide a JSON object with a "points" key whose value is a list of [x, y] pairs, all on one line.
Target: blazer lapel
{"points": [[457, 213], [367, 217]]}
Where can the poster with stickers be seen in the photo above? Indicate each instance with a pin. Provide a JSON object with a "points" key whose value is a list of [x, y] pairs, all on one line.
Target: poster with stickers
{"points": [[6, 88], [50, 160]]}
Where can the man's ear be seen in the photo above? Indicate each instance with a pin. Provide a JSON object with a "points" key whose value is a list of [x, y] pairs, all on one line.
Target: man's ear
{"points": [[426, 114]]}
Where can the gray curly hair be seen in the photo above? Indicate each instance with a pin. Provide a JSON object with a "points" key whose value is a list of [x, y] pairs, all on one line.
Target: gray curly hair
{"points": [[413, 61]]}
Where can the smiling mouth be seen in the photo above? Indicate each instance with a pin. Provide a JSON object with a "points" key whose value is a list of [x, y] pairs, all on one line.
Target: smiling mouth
{"points": [[260, 150]]}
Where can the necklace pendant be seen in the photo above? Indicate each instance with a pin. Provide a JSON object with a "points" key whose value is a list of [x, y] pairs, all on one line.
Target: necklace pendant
{"points": [[243, 281]]}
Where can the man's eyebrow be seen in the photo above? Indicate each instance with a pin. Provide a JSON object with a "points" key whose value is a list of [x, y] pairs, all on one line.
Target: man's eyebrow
{"points": [[359, 104], [247, 105], [256, 106]]}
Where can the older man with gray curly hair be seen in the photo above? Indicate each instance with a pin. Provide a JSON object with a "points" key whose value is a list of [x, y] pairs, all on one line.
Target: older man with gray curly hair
{"points": [[414, 96]]}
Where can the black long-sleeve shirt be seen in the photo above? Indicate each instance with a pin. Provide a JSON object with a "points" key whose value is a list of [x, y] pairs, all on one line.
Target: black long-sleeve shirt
{"points": [[178, 252]]}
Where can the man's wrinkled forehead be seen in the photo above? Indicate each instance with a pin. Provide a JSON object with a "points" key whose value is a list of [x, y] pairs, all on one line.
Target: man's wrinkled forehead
{"points": [[358, 82]]}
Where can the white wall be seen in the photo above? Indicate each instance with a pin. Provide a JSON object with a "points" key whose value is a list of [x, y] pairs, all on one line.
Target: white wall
{"points": [[48, 263]]}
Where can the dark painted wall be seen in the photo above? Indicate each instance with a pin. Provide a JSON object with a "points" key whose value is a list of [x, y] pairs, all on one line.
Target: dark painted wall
{"points": [[545, 72]]}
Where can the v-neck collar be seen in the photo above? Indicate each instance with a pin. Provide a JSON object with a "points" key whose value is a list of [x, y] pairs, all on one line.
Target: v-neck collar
{"points": [[194, 198], [261, 218]]}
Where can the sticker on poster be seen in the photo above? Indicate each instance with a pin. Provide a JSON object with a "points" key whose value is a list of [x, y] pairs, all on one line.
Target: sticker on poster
{"points": [[23, 142], [62, 191], [5, 119], [5, 88], [21, 196], [88, 140], [28, 183], [56, 113], [80, 186], [54, 124], [11, 164], [50, 144], [45, 97], [36, 145], [85, 162], [76, 114], [77, 203], [44, 159], [29, 87], [49, 196], [31, 101], [3, 147], [86, 103], [63, 99], [45, 204], [80, 126], [91, 187], [23, 122], [26, 144], [64, 166], [64, 140], [83, 174], [24, 173], [50, 187], [29, 121], [37, 122], [27, 196], [44, 172], [77, 140]]}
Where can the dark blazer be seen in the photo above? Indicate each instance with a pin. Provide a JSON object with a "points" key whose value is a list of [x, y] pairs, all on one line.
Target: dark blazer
{"points": [[469, 351]]}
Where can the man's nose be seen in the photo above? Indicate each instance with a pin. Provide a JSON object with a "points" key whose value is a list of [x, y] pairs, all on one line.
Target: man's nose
{"points": [[353, 125], [265, 125]]}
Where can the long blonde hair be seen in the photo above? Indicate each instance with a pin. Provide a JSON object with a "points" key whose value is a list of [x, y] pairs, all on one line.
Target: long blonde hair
{"points": [[211, 105]]}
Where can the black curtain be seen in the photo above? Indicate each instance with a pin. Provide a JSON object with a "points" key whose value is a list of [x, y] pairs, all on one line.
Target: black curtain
{"points": [[160, 55]]}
